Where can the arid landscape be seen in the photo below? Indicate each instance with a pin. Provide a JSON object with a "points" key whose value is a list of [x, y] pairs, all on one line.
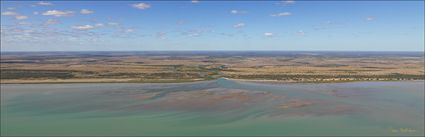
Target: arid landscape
{"points": [[186, 66], [212, 68]]}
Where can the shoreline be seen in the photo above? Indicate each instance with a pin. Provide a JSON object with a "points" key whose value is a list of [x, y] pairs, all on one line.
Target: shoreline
{"points": [[175, 81], [82, 81]]}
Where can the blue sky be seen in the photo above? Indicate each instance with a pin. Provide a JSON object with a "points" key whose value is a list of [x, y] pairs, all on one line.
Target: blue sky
{"points": [[212, 25]]}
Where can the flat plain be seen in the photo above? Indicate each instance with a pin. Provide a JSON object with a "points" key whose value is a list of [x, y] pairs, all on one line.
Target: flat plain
{"points": [[212, 94], [187, 66]]}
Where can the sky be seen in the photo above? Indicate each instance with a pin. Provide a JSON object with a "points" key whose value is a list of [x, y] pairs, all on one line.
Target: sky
{"points": [[212, 25]]}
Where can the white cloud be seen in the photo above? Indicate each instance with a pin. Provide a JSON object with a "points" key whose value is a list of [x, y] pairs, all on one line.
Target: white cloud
{"points": [[161, 35], [21, 17], [9, 13], [301, 33], [129, 30], [281, 14], [237, 12], [11, 8], [44, 3], [17, 16], [195, 1], [86, 11], [239, 25], [83, 27], [23, 31], [370, 18], [268, 34], [24, 23], [99, 25], [194, 34], [35, 13], [41, 33], [51, 22], [57, 13], [288, 2], [113, 23], [234, 11], [141, 6], [197, 32]]}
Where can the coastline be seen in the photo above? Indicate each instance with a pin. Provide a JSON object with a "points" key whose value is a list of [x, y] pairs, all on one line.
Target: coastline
{"points": [[74, 81], [171, 81]]}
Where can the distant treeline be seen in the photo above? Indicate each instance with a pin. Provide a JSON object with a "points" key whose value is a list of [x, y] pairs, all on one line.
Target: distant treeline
{"points": [[204, 73], [22, 74], [65, 74], [394, 76]]}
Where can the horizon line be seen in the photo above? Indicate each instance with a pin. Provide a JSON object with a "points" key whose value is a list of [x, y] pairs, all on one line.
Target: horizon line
{"points": [[216, 51]]}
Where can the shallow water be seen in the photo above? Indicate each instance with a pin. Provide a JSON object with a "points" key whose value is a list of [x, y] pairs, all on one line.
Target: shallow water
{"points": [[220, 107]]}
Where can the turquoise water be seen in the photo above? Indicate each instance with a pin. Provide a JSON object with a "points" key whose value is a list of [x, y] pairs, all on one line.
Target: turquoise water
{"points": [[220, 107]]}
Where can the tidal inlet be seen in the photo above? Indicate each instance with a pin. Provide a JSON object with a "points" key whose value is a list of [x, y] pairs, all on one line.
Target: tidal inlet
{"points": [[219, 107], [261, 68]]}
